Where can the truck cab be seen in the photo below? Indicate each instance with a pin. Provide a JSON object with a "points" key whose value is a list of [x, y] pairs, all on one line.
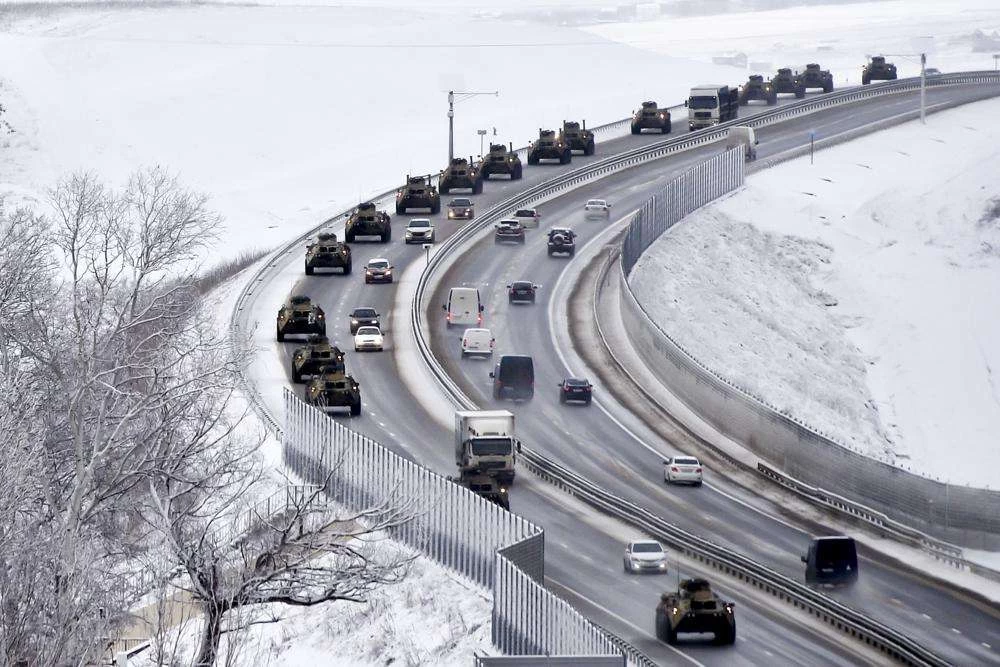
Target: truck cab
{"points": [[711, 104], [485, 443]]}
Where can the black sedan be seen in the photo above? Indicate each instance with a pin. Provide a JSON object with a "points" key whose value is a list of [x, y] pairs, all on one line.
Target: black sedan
{"points": [[575, 389], [521, 291]]}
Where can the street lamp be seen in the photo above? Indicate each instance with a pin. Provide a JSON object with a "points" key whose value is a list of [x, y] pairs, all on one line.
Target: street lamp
{"points": [[481, 133], [923, 80], [451, 116]]}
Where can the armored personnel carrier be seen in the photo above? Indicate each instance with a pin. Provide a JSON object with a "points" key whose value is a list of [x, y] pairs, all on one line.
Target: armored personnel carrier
{"points": [[418, 193], [316, 354], [757, 89], [328, 253], [814, 77], [786, 82], [366, 220], [501, 160], [332, 388], [695, 608], [299, 315], [549, 146], [878, 70], [460, 173], [651, 117], [578, 137]]}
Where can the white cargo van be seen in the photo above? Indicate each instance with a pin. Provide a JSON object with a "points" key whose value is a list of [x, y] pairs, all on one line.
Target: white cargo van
{"points": [[744, 136], [464, 307], [478, 341]]}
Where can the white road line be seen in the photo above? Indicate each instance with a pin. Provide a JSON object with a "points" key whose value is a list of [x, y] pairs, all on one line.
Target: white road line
{"points": [[926, 616], [956, 631], [986, 645]]}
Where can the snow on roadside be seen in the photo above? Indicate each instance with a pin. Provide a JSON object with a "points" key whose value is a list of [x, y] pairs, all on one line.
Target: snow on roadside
{"points": [[858, 294]]}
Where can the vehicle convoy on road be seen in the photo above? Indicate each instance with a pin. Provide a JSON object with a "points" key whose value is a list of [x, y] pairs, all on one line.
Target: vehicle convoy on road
{"points": [[562, 241], [815, 77], [576, 390], [327, 252], [418, 192], [487, 487], [378, 270], [317, 353], [785, 82], [695, 607], [366, 220], [711, 104], [508, 231], [299, 315], [757, 90], [831, 561], [364, 316], [501, 160], [550, 145], [485, 443], [419, 230], [745, 137], [461, 208], [462, 174], [645, 556], [878, 70], [332, 388], [514, 378], [578, 137], [521, 291], [651, 117]]}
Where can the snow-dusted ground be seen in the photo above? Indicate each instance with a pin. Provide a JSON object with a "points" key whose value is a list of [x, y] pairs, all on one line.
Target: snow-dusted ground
{"points": [[859, 294]]}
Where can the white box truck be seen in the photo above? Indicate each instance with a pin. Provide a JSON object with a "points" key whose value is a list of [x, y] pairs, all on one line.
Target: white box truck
{"points": [[485, 443]]}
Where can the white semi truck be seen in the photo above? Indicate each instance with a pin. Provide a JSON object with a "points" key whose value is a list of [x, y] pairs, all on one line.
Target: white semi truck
{"points": [[711, 104], [485, 443]]}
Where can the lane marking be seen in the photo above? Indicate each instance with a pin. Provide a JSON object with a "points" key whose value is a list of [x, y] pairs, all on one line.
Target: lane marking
{"points": [[926, 616]]}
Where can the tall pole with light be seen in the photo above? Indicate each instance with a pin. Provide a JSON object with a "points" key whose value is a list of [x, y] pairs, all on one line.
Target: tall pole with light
{"points": [[481, 133], [451, 116], [923, 88]]}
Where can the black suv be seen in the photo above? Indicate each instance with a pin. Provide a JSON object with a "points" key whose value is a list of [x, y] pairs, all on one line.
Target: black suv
{"points": [[509, 231], [364, 317], [562, 241], [521, 290], [575, 389]]}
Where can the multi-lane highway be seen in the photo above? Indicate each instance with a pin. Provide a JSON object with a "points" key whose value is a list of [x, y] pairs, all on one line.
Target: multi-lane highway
{"points": [[583, 554]]}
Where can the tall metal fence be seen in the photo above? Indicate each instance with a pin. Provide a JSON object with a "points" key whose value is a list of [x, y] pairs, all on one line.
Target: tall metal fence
{"points": [[452, 525]]}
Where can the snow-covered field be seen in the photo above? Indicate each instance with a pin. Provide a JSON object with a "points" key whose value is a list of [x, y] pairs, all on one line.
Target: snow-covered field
{"points": [[859, 294]]}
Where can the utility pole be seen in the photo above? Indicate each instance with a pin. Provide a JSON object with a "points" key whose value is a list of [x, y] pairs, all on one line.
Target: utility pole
{"points": [[451, 116], [996, 59], [481, 133], [923, 88]]}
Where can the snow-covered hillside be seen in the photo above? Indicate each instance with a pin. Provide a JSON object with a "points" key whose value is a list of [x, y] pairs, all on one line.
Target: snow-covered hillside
{"points": [[859, 294]]}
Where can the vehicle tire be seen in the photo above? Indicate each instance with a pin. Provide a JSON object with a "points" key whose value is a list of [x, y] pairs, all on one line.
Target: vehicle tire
{"points": [[400, 210], [322, 330], [865, 80], [666, 128], [636, 130], [367, 282], [572, 252], [590, 149], [356, 409], [443, 188], [280, 335], [296, 375], [671, 635], [516, 174], [587, 402], [349, 237], [562, 399], [387, 236], [828, 87], [800, 93], [309, 270], [772, 100], [356, 349], [566, 158], [477, 188], [436, 207], [532, 159], [698, 483], [662, 626], [510, 299], [550, 254]]}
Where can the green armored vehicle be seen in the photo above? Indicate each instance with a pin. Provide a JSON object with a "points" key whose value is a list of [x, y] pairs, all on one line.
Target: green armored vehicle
{"points": [[578, 138], [332, 388], [366, 220], [418, 193], [299, 315], [317, 354], [651, 117], [549, 146], [757, 89], [878, 70], [486, 486], [695, 608], [786, 82], [501, 160], [327, 252], [460, 173], [814, 77]]}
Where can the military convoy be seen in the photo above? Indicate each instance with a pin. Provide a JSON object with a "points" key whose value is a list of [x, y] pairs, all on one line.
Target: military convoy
{"points": [[756, 89], [418, 193], [316, 354], [366, 220], [331, 387], [460, 173], [501, 160], [695, 607], [815, 77], [786, 82], [550, 145], [578, 137], [651, 117], [299, 315], [878, 70], [328, 253]]}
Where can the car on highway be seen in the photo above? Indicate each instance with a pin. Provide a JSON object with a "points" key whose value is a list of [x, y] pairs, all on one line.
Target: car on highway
{"points": [[478, 342], [597, 208], [461, 208], [682, 469], [509, 231], [299, 315], [645, 556], [419, 230], [831, 561], [362, 317], [529, 217], [521, 291], [378, 270], [576, 389], [562, 241], [464, 307], [367, 339], [514, 378]]}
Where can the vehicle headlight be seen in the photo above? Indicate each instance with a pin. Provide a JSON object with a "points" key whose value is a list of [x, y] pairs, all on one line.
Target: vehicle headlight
{"points": [[663, 566], [354, 320]]}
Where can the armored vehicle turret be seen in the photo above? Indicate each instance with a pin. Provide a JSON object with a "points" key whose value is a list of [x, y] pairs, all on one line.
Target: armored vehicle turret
{"points": [[316, 354], [299, 315], [418, 193], [651, 117], [501, 160], [366, 220], [578, 137], [815, 77], [878, 70], [757, 89], [695, 608], [332, 388], [460, 173], [550, 145], [328, 253], [786, 82]]}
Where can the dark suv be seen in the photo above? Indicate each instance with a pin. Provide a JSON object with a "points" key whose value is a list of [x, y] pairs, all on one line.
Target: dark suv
{"points": [[562, 241], [831, 560], [364, 317], [521, 290], [575, 389], [509, 231], [514, 378]]}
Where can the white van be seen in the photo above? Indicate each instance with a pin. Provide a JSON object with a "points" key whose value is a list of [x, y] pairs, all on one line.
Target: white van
{"points": [[464, 307], [742, 135], [478, 341]]}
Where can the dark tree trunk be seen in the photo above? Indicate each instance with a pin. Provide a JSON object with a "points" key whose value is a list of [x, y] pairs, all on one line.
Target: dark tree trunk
{"points": [[210, 636]]}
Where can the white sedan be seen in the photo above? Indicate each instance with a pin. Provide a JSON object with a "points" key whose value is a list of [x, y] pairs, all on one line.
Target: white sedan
{"points": [[645, 556], [368, 338], [682, 469], [419, 230], [597, 208], [528, 217]]}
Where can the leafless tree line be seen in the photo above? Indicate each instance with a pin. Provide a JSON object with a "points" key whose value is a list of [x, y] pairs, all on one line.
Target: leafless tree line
{"points": [[122, 451]]}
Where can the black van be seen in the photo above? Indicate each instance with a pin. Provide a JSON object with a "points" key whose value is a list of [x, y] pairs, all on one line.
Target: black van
{"points": [[514, 378], [831, 560]]}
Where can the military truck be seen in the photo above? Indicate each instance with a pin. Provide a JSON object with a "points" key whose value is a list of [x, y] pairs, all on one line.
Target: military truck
{"points": [[550, 145], [578, 137], [651, 117], [328, 253], [417, 193], [485, 443], [486, 487], [878, 70], [460, 173], [786, 82], [695, 608], [366, 220], [316, 354], [814, 77], [501, 160], [757, 89], [332, 388], [299, 315]]}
